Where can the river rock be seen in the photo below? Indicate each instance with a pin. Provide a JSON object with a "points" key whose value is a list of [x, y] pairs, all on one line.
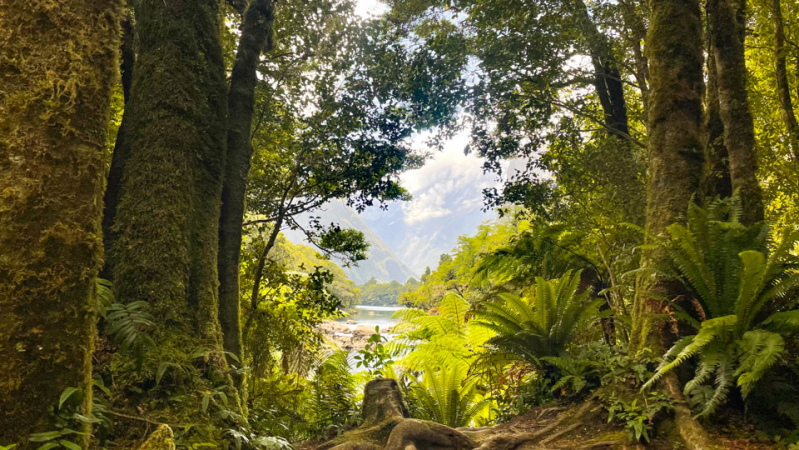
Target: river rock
{"points": [[351, 322], [363, 330]]}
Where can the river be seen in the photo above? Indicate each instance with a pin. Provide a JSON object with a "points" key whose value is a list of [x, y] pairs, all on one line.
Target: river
{"points": [[371, 315]]}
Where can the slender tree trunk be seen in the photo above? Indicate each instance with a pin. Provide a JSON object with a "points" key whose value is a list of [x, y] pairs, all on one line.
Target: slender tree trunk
{"points": [[167, 221], [57, 69], [783, 88], [607, 80], [675, 52], [255, 36], [121, 150], [727, 22], [259, 270], [716, 180]]}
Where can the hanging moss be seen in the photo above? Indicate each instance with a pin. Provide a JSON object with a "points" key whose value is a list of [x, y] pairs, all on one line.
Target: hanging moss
{"points": [[166, 226], [57, 69]]}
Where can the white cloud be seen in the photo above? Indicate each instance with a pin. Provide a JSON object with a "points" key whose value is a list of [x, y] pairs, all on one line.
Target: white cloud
{"points": [[449, 183]]}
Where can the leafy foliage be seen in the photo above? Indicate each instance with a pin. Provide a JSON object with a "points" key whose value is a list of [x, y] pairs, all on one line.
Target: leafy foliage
{"points": [[446, 396], [747, 297], [541, 326]]}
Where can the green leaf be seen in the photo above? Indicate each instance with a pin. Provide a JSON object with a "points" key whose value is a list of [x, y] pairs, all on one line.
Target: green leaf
{"points": [[68, 444], [66, 395], [206, 399], [45, 436], [48, 446]]}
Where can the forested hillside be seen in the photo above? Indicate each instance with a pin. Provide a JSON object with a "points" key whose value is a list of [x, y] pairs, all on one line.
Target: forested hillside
{"points": [[639, 286]]}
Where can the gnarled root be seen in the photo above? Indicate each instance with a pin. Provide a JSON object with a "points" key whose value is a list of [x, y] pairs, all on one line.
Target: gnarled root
{"points": [[691, 431]]}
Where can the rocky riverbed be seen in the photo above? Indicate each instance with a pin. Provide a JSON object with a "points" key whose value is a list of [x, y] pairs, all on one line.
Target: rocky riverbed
{"points": [[350, 337]]}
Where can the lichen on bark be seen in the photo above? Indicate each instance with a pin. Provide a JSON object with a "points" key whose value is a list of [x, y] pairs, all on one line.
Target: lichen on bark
{"points": [[166, 227], [57, 70]]}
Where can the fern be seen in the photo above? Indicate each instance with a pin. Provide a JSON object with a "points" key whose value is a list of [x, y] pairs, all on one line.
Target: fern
{"points": [[541, 328], [738, 281], [446, 396], [128, 327]]}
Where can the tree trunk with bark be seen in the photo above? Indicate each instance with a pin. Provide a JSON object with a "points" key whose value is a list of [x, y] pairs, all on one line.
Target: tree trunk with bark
{"points": [[167, 222], [783, 87], [121, 150], [607, 80], [727, 23], [675, 144], [57, 70], [675, 53], [716, 180], [256, 36]]}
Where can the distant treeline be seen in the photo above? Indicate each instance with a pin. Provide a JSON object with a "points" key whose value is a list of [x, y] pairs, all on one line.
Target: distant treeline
{"points": [[374, 293]]}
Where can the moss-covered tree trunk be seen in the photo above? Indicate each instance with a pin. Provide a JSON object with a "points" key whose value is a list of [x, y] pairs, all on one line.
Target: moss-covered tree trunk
{"points": [[167, 222], [727, 23], [121, 149], [256, 36], [57, 68], [674, 47]]}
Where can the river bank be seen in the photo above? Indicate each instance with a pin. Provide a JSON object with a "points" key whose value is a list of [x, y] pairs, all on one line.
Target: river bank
{"points": [[351, 333]]}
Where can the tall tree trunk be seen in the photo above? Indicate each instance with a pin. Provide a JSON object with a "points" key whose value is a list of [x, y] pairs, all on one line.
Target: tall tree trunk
{"points": [[783, 88], [256, 36], [675, 49], [607, 80], [675, 143], [727, 22], [716, 180], [121, 150], [167, 221], [57, 69]]}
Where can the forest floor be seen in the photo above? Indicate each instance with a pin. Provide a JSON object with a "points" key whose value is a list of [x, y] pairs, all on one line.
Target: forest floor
{"points": [[585, 426]]}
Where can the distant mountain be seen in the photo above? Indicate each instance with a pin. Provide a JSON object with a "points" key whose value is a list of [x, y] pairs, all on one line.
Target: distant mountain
{"points": [[382, 265]]}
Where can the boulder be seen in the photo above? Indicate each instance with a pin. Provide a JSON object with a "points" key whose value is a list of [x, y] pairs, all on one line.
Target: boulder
{"points": [[351, 322], [363, 331]]}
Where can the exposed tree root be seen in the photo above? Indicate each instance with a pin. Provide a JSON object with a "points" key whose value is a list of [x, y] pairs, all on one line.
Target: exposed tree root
{"points": [[691, 431], [565, 423]]}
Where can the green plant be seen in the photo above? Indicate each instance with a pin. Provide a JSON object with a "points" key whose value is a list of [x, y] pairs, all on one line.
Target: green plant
{"points": [[127, 325], [68, 421], [375, 356], [542, 327], [748, 304], [244, 439], [574, 375], [447, 396], [638, 417], [621, 378], [333, 400]]}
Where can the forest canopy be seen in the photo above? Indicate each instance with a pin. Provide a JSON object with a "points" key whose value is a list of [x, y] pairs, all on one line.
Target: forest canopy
{"points": [[637, 284]]}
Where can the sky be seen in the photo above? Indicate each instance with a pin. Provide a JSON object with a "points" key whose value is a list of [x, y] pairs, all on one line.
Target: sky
{"points": [[447, 203], [447, 197]]}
